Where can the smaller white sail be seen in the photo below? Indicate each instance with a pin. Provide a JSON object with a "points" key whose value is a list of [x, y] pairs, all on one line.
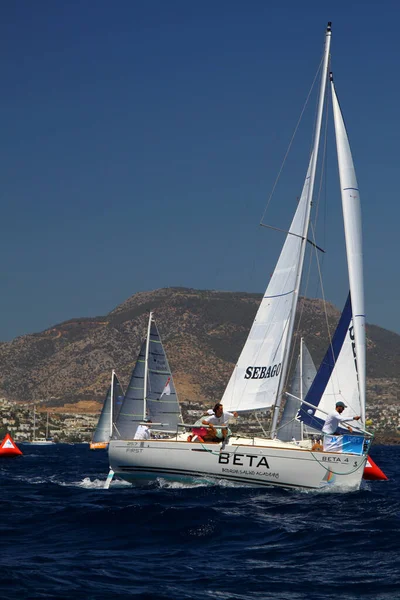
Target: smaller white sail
{"points": [[110, 411], [290, 427]]}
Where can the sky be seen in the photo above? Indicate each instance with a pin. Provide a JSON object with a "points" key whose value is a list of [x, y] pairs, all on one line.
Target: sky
{"points": [[140, 142]]}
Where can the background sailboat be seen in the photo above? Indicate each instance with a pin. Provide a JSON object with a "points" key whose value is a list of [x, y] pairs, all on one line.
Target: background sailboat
{"points": [[151, 392], [109, 413], [40, 441]]}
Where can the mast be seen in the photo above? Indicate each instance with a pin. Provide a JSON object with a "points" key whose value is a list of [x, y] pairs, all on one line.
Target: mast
{"points": [[313, 168], [112, 403], [301, 382], [353, 236], [146, 366]]}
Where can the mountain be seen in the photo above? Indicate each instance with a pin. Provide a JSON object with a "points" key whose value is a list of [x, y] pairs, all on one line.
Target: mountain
{"points": [[203, 333]]}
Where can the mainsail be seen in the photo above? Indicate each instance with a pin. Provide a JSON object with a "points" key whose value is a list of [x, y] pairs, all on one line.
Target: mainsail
{"points": [[109, 411], [151, 392], [336, 378], [353, 235]]}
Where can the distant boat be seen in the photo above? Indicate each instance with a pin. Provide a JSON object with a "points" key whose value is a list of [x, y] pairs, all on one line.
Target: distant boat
{"points": [[46, 441], [151, 392], [109, 413], [9, 448]]}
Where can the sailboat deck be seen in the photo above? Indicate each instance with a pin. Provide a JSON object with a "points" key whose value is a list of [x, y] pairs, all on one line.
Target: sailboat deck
{"points": [[246, 441]]}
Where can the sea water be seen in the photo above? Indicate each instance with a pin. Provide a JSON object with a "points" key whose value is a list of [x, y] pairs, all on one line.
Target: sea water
{"points": [[64, 536]]}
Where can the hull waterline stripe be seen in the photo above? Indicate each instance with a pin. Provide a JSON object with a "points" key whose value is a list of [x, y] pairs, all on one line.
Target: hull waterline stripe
{"points": [[160, 472]]}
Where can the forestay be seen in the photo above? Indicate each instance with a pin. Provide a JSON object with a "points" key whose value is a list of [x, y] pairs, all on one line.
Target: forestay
{"points": [[254, 382]]}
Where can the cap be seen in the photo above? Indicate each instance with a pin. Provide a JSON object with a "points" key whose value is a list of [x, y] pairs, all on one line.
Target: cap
{"points": [[148, 421], [340, 403], [210, 411]]}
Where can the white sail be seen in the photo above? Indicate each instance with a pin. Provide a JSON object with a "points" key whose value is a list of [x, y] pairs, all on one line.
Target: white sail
{"points": [[343, 382], [255, 380], [259, 374], [290, 427], [353, 235]]}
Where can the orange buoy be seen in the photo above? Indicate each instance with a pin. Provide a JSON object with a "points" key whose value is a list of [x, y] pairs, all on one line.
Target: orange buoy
{"points": [[8, 447], [372, 472]]}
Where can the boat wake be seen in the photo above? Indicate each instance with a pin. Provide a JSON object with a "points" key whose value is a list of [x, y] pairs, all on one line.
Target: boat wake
{"points": [[88, 483]]}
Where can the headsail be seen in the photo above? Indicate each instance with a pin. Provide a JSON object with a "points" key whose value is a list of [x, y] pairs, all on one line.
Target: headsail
{"points": [[353, 234], [157, 399], [290, 427], [255, 380], [258, 377]]}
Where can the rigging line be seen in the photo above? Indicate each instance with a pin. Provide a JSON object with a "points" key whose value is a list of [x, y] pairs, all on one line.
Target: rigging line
{"points": [[260, 424], [291, 141], [313, 244], [324, 301], [312, 227], [296, 333]]}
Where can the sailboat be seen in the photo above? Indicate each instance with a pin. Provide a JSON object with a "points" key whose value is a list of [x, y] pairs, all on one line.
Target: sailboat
{"points": [[258, 379], [151, 393], [109, 413], [40, 441]]}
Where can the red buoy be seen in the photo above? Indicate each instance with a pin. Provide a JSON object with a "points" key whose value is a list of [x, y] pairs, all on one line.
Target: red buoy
{"points": [[8, 447], [372, 472]]}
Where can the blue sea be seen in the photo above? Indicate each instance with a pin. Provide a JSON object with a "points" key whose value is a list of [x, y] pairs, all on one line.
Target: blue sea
{"points": [[64, 536]]}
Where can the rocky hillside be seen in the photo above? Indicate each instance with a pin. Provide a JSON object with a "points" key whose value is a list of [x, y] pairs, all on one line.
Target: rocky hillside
{"points": [[203, 333]]}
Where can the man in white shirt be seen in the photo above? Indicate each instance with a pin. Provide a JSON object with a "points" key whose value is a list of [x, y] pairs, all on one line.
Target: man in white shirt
{"points": [[218, 418], [143, 431], [335, 419]]}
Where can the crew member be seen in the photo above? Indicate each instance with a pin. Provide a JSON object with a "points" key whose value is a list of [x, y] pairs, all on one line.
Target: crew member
{"points": [[335, 419]]}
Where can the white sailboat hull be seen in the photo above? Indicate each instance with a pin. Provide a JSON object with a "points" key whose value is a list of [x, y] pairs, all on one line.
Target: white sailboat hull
{"points": [[266, 464]]}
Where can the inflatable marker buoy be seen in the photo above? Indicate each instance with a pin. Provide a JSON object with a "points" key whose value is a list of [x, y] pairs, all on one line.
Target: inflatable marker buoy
{"points": [[372, 472], [9, 448]]}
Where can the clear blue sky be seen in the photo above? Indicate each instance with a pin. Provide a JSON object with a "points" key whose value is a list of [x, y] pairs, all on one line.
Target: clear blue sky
{"points": [[140, 141]]}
